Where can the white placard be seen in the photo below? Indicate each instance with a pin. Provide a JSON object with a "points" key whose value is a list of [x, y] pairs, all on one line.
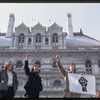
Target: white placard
{"points": [[83, 84]]}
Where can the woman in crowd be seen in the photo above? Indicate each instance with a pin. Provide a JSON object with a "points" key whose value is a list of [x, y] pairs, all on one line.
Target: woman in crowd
{"points": [[33, 85], [71, 69], [10, 78]]}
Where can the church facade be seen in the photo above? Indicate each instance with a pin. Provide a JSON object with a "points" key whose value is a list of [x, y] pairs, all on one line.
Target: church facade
{"points": [[44, 44]]}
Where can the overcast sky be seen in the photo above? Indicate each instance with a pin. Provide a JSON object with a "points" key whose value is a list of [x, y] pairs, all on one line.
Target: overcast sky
{"points": [[85, 16]]}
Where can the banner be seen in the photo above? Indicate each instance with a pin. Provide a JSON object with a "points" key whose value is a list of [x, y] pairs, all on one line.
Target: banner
{"points": [[83, 84]]}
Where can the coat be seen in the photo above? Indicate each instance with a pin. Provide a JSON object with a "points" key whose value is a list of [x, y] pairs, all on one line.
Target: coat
{"points": [[67, 93], [4, 77], [33, 85]]}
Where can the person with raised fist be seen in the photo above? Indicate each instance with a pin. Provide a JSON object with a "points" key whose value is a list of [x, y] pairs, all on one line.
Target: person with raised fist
{"points": [[33, 85], [71, 69]]}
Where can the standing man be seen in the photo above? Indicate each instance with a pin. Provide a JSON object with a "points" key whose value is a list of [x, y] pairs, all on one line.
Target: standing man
{"points": [[33, 85], [71, 69]]}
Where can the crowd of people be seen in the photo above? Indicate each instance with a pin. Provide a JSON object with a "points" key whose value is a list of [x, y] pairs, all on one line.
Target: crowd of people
{"points": [[33, 86]]}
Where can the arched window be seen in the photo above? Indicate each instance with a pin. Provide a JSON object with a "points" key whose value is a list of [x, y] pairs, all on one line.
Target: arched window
{"points": [[38, 39], [19, 64], [88, 67], [46, 41], [21, 39], [57, 83], [54, 65], [99, 63], [29, 41], [55, 39], [38, 63]]}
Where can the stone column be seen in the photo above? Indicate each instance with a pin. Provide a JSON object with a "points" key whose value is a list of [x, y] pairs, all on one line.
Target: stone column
{"points": [[43, 42], [12, 43], [25, 42], [51, 44], [60, 42], [64, 40], [49, 47], [95, 69], [16, 42], [34, 42]]}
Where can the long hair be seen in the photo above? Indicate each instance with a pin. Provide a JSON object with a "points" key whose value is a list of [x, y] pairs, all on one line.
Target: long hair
{"points": [[72, 64], [7, 64], [32, 69]]}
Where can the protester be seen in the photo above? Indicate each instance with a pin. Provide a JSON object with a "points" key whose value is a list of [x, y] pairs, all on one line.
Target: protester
{"points": [[33, 85], [71, 69], [10, 78]]}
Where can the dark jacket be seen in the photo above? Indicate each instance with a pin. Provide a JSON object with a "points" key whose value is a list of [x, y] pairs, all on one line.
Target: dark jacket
{"points": [[67, 93], [34, 83], [4, 77]]}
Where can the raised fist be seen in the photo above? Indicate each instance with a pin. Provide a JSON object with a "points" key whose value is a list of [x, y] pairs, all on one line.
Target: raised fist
{"points": [[57, 57], [27, 56], [83, 83]]}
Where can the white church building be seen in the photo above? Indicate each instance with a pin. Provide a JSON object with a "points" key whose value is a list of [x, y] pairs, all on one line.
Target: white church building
{"points": [[43, 44]]}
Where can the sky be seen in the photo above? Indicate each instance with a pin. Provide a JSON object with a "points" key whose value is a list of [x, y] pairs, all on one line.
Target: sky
{"points": [[85, 16]]}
